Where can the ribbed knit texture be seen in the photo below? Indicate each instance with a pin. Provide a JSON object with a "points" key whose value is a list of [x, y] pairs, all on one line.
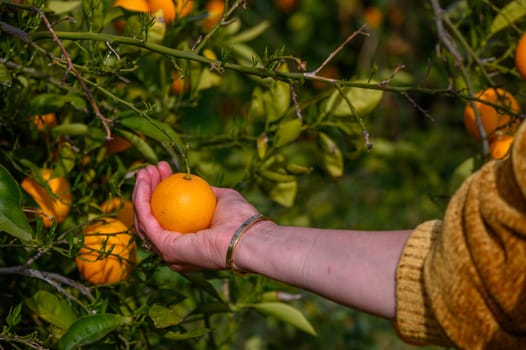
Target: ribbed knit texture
{"points": [[462, 281]]}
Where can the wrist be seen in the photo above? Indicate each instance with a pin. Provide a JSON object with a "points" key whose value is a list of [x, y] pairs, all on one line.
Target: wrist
{"points": [[250, 244], [236, 237]]}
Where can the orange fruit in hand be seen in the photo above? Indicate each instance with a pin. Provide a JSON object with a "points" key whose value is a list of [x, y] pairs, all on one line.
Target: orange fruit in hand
{"points": [[122, 208], [108, 252], [183, 203], [54, 205], [491, 118], [520, 56], [499, 148], [214, 9]]}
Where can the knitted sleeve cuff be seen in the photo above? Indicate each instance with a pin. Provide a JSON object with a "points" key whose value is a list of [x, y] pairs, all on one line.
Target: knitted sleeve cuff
{"points": [[415, 321]]}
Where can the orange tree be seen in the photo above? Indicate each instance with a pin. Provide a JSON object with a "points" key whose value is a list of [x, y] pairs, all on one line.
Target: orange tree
{"points": [[263, 102]]}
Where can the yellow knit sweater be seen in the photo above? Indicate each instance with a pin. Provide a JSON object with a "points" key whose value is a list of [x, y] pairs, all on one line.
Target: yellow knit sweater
{"points": [[461, 282]]}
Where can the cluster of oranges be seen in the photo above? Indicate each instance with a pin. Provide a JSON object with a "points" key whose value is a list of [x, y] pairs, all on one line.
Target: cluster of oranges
{"points": [[182, 202], [109, 250], [497, 109]]}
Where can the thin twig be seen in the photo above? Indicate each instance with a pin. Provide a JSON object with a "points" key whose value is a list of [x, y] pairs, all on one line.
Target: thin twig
{"points": [[339, 48], [295, 101], [396, 70], [54, 279], [443, 35], [446, 40], [71, 67], [418, 107], [222, 22], [365, 133]]}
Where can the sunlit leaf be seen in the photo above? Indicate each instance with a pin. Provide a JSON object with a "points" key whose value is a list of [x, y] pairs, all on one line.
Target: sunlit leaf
{"points": [[363, 100], [61, 7], [284, 193], [287, 132], [262, 145], [508, 15], [285, 313], [277, 101], [163, 316], [208, 79], [331, 156]]}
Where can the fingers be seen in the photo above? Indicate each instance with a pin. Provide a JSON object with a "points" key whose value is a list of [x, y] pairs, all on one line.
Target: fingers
{"points": [[164, 169], [147, 179]]}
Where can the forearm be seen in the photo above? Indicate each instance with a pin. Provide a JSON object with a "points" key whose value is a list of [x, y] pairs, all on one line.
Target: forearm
{"points": [[354, 268]]}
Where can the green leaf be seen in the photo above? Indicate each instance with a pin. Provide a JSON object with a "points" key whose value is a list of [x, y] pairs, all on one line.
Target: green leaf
{"points": [[285, 313], [277, 101], [208, 79], [284, 193], [51, 309], [61, 7], [257, 103], [152, 128], [202, 283], [142, 146], [14, 316], [194, 333], [5, 76], [262, 145], [244, 54], [52, 102], [89, 329], [12, 217], [66, 160], [70, 129], [508, 15], [94, 14], [288, 131], [248, 35], [163, 317], [331, 156], [363, 100]]}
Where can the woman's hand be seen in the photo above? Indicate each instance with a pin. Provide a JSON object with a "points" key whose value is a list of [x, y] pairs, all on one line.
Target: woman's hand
{"points": [[205, 249]]}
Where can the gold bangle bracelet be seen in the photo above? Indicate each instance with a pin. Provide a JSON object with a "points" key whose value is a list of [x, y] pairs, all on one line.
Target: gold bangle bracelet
{"points": [[236, 238]]}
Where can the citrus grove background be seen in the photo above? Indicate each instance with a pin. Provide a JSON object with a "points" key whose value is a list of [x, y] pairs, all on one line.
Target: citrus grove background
{"points": [[337, 114]]}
